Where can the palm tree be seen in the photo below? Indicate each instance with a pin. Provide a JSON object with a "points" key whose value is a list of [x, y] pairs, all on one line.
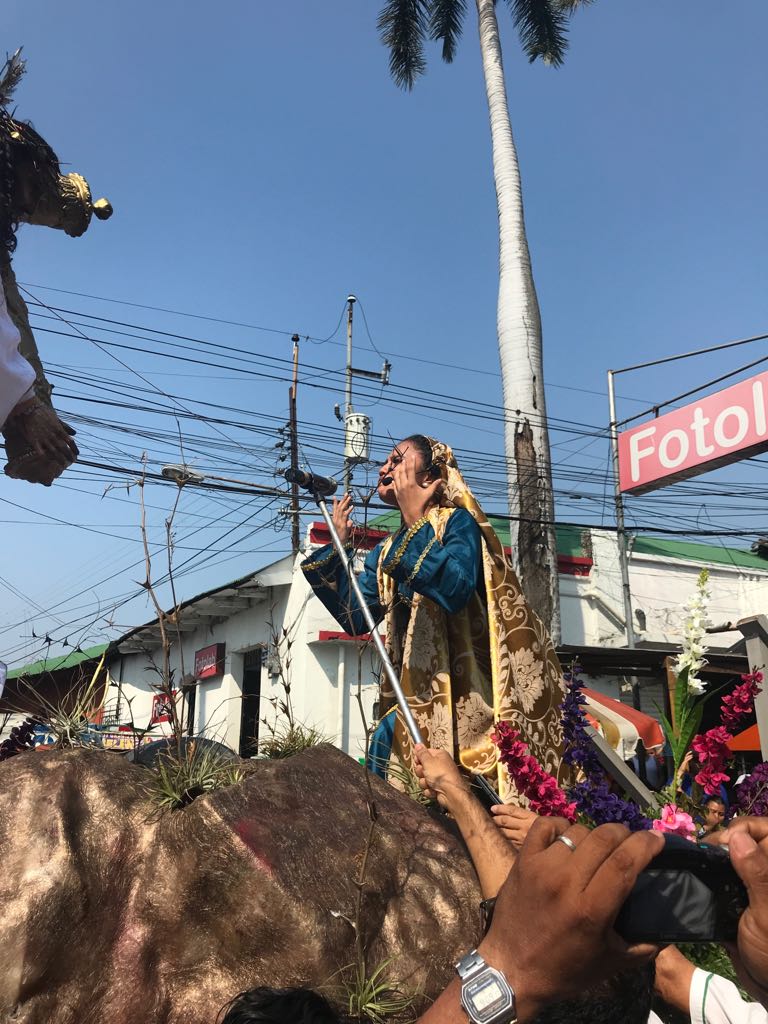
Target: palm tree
{"points": [[405, 25]]}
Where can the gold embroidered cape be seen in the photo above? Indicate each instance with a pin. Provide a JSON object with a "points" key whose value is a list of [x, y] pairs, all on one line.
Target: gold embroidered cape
{"points": [[492, 661]]}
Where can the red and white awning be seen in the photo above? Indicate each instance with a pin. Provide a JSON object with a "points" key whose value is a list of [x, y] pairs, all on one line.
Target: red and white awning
{"points": [[623, 726]]}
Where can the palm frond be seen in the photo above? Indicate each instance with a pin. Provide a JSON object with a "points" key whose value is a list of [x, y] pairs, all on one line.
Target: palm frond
{"points": [[571, 6], [10, 76], [402, 26], [445, 24], [541, 25]]}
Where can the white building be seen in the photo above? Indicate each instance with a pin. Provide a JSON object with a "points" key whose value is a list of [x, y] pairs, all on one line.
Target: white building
{"points": [[241, 643]]}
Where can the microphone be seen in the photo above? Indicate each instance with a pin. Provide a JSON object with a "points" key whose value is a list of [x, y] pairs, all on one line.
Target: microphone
{"points": [[325, 486], [386, 480]]}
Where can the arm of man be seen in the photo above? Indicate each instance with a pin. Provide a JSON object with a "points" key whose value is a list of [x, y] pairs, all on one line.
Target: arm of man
{"points": [[491, 854], [552, 933], [747, 840]]}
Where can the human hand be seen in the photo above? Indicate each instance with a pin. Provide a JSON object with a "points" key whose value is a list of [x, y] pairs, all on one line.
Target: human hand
{"points": [[342, 517], [414, 491], [514, 823], [438, 775], [38, 444], [747, 840], [552, 932], [685, 765], [674, 974]]}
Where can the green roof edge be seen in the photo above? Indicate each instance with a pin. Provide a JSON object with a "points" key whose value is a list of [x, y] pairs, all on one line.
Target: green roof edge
{"points": [[71, 660]]}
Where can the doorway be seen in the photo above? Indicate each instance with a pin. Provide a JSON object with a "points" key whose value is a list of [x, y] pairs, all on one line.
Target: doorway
{"points": [[249, 714]]}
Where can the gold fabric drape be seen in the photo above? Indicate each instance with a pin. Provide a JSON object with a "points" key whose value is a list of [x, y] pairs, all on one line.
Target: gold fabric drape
{"points": [[492, 661]]}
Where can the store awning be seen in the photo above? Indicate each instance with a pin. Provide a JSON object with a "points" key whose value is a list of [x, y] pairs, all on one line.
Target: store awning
{"points": [[623, 726], [748, 740]]}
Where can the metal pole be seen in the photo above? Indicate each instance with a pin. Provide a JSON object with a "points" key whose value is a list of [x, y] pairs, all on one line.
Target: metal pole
{"points": [[621, 537], [389, 668], [348, 390], [294, 442], [620, 531]]}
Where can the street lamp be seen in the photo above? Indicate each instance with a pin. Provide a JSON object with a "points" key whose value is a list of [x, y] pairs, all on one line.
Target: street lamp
{"points": [[182, 475]]}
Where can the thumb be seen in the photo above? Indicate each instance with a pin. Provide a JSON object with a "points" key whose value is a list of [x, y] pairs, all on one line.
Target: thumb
{"points": [[751, 865]]}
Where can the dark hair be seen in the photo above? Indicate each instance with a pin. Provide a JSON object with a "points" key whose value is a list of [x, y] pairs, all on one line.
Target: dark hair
{"points": [[423, 446], [19, 142], [713, 798], [623, 999], [7, 223], [280, 1006]]}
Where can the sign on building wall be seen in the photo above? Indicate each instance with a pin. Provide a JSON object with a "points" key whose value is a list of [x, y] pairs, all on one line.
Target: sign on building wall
{"points": [[721, 428], [209, 661], [161, 710]]}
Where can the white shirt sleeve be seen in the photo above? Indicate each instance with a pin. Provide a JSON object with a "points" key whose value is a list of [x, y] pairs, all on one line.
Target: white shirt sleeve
{"points": [[717, 1001], [16, 375]]}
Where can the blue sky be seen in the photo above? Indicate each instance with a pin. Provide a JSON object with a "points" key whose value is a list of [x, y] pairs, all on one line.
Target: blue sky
{"points": [[262, 165]]}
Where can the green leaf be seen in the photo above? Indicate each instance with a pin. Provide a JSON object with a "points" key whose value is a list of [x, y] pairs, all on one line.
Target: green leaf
{"points": [[542, 27], [445, 24], [666, 725], [681, 700], [692, 724], [402, 26]]}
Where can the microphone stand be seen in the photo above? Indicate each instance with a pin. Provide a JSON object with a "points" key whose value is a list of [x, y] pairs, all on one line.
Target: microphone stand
{"points": [[485, 788], [389, 668]]}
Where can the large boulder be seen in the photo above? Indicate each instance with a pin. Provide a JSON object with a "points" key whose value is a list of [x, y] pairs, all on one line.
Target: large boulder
{"points": [[111, 912]]}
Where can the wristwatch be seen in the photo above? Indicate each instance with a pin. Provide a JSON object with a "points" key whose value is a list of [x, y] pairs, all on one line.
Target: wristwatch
{"points": [[486, 995]]}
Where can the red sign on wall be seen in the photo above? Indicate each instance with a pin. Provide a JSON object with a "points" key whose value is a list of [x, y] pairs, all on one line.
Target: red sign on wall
{"points": [[209, 661], [161, 709], [720, 429]]}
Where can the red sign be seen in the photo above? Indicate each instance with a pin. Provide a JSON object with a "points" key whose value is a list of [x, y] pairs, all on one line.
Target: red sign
{"points": [[720, 429], [161, 709], [209, 661]]}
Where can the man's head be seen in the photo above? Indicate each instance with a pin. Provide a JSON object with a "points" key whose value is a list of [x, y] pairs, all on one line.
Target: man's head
{"points": [[714, 812], [624, 999], [280, 1006]]}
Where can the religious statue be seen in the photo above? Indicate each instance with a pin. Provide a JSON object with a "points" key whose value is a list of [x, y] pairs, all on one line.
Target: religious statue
{"points": [[38, 444]]}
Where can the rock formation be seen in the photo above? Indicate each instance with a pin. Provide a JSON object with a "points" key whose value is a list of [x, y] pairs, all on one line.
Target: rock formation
{"points": [[113, 913]]}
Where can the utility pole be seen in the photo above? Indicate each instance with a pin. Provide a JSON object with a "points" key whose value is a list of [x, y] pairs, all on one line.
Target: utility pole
{"points": [[293, 427], [351, 300], [621, 532], [357, 426]]}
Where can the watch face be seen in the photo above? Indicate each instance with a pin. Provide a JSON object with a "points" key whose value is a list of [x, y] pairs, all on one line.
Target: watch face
{"points": [[487, 997]]}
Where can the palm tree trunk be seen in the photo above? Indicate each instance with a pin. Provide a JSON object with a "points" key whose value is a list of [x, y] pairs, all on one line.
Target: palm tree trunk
{"points": [[529, 471]]}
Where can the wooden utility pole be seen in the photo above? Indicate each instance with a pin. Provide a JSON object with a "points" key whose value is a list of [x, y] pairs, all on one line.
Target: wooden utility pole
{"points": [[293, 427], [351, 300]]}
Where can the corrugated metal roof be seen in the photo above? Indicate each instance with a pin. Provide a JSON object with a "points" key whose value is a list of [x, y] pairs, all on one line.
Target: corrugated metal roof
{"points": [[71, 660]]}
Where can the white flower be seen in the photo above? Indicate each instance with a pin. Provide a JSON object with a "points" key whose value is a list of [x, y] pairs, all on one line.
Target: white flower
{"points": [[694, 635]]}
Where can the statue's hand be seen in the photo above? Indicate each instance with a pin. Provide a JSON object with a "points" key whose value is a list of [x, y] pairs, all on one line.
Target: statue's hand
{"points": [[38, 444]]}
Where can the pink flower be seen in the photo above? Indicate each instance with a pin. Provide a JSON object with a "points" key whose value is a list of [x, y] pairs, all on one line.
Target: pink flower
{"points": [[675, 822], [740, 702], [541, 788], [710, 781]]}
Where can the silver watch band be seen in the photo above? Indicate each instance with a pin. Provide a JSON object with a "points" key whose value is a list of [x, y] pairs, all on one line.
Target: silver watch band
{"points": [[470, 964]]}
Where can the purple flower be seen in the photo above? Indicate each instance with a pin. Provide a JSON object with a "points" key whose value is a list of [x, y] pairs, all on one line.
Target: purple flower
{"points": [[593, 796], [752, 793]]}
